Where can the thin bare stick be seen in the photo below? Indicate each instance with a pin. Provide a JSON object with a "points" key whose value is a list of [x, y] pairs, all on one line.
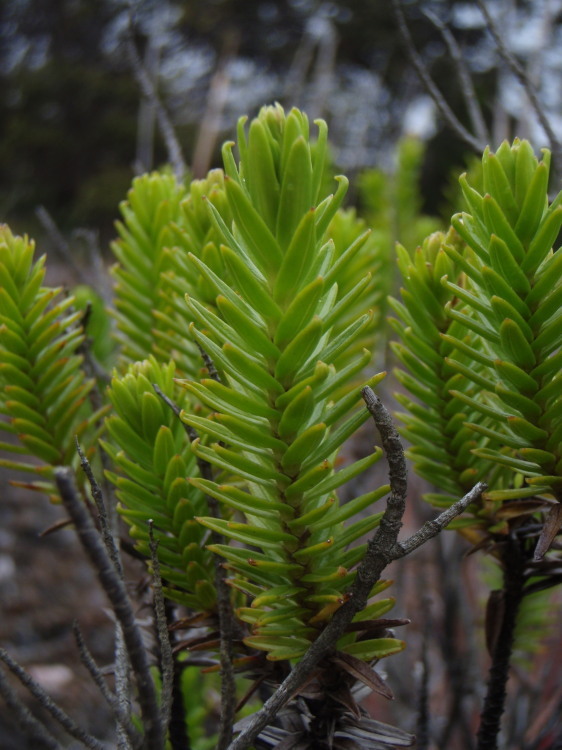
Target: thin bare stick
{"points": [[521, 75], [121, 718], [421, 69], [465, 79], [107, 536], [378, 556], [168, 401], [228, 680], [178, 734], [34, 730], [209, 364], [60, 716], [117, 594], [91, 239], [217, 97], [122, 676], [436, 525], [60, 244], [148, 90], [381, 550], [166, 656], [95, 672]]}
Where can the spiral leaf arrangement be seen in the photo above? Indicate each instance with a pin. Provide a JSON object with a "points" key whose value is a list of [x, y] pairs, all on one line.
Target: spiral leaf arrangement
{"points": [[275, 430], [489, 358], [152, 204], [440, 401], [44, 395], [513, 307], [154, 458]]}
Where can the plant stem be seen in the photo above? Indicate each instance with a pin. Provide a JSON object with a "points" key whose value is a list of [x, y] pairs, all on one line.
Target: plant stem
{"points": [[494, 703]]}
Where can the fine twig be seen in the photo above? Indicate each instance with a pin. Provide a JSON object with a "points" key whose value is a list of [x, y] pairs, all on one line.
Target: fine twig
{"points": [[521, 75], [171, 404], [107, 536], [166, 657], [98, 376], [382, 549], [122, 676], [148, 90], [122, 719], [60, 244], [228, 678], [224, 605], [476, 144], [34, 730], [217, 97], [178, 735], [209, 364], [465, 79], [91, 239], [436, 525], [60, 716], [513, 563], [117, 594]]}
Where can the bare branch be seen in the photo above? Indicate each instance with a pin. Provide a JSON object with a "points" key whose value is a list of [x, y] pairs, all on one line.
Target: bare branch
{"points": [[60, 244], [121, 718], [381, 550], [121, 604], [447, 113], [521, 75], [148, 90], [91, 239], [217, 97], [34, 730], [378, 556], [68, 724], [436, 525], [166, 656], [228, 681], [209, 364], [173, 406], [122, 676], [465, 79], [107, 536]]}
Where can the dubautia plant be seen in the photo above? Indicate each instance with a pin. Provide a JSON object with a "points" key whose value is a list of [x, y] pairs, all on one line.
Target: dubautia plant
{"points": [[275, 431], [44, 397], [482, 339], [252, 288], [280, 308]]}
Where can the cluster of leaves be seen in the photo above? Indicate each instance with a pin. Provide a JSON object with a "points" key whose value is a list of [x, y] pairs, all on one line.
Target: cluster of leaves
{"points": [[260, 270], [281, 337], [163, 222], [44, 397], [279, 287], [154, 462], [482, 323]]}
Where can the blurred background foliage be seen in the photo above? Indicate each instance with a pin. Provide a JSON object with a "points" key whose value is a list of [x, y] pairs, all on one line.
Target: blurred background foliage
{"points": [[74, 128]]}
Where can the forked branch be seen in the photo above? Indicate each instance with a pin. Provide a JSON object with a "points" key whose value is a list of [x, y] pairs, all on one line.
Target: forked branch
{"points": [[382, 549]]}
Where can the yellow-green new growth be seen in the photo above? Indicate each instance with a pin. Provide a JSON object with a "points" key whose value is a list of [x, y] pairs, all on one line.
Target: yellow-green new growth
{"points": [[151, 451], [514, 310], [282, 339], [43, 390]]}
